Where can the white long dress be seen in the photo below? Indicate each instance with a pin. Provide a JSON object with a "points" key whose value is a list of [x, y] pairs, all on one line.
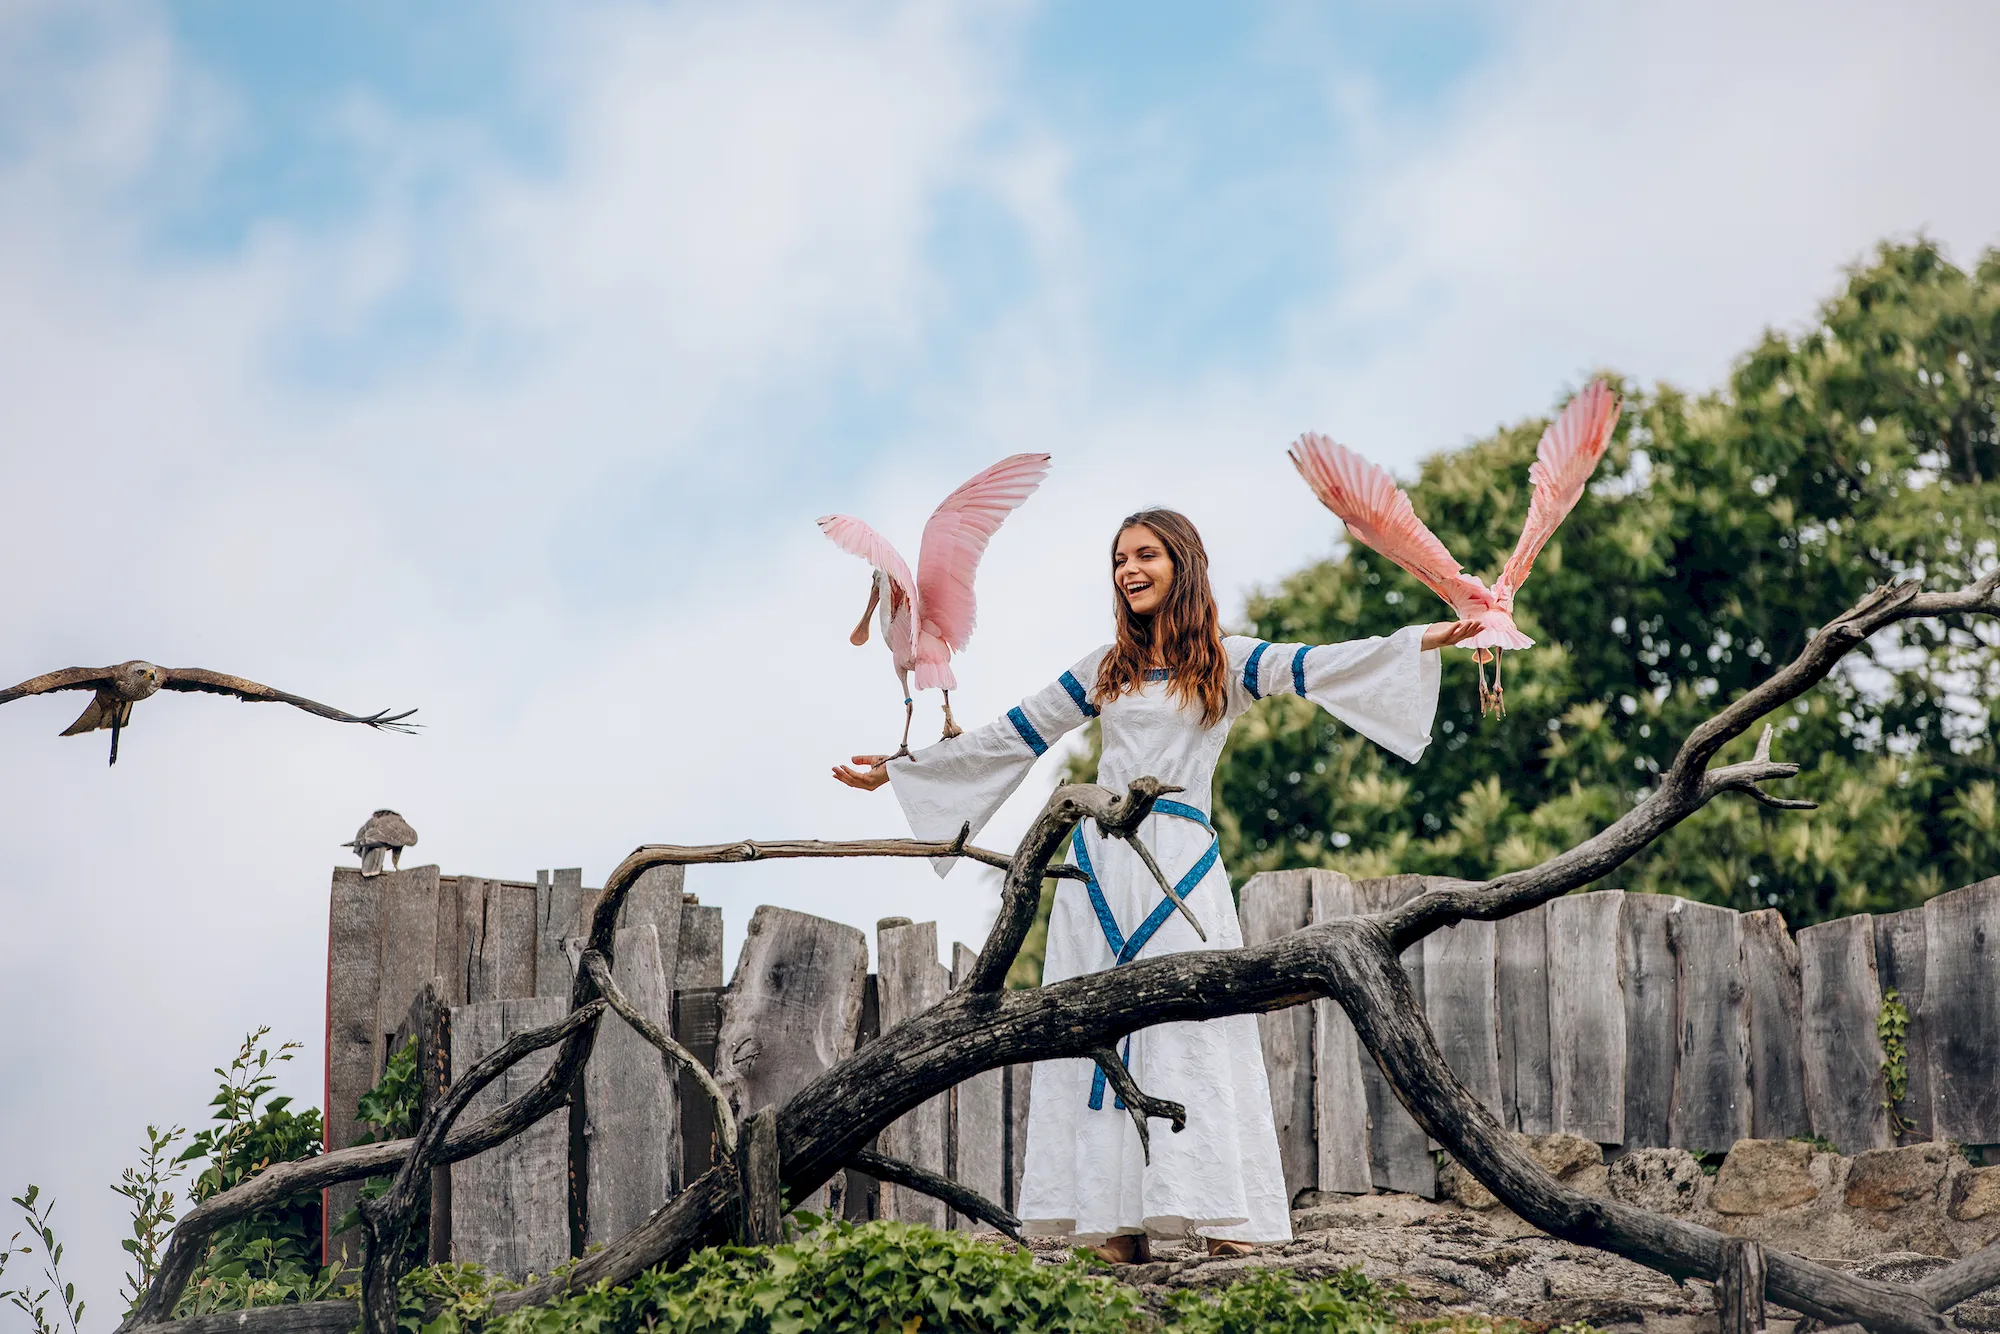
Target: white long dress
{"points": [[1085, 1176]]}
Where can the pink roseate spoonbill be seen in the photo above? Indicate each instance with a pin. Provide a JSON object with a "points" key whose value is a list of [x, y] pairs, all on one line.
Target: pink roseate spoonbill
{"points": [[1377, 513], [927, 619]]}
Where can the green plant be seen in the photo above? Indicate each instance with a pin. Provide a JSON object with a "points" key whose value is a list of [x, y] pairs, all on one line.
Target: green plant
{"points": [[842, 1278], [152, 1207], [31, 1303], [390, 1111], [1269, 1301], [272, 1256], [1892, 1026], [454, 1297], [1820, 1142]]}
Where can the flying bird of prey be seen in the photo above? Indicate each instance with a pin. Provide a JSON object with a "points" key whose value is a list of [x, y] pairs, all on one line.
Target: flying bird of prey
{"points": [[119, 688], [927, 619], [1377, 512], [384, 831]]}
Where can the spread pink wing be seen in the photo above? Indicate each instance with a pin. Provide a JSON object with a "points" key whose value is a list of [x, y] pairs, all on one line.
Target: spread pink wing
{"points": [[858, 539], [1565, 458], [1377, 513], [955, 539]]}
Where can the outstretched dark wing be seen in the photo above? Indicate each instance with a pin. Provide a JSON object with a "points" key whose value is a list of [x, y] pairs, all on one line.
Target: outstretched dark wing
{"points": [[221, 683], [69, 678]]}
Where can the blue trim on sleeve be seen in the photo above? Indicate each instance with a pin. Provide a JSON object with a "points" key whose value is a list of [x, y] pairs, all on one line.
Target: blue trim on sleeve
{"points": [[1027, 730], [1250, 670], [1299, 670], [1079, 694]]}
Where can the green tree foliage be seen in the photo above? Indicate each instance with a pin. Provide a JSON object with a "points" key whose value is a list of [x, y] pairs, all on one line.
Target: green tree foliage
{"points": [[1721, 530]]}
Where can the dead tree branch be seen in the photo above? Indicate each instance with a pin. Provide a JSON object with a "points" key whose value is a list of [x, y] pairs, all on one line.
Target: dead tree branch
{"points": [[967, 1201], [725, 1119], [1141, 1105]]}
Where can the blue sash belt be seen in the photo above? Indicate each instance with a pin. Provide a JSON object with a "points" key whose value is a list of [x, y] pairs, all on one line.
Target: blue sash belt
{"points": [[1125, 948]]}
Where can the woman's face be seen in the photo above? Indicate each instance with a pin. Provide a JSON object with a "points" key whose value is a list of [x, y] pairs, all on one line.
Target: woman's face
{"points": [[1142, 569]]}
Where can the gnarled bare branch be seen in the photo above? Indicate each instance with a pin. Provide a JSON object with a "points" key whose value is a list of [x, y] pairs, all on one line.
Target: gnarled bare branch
{"points": [[1140, 1104], [725, 1119], [962, 1198]]}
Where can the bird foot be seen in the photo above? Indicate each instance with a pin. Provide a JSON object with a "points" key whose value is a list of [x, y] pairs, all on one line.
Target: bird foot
{"points": [[951, 729]]}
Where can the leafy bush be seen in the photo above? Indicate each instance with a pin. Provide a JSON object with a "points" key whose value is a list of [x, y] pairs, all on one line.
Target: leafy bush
{"points": [[1268, 1301], [882, 1276], [390, 1111]]}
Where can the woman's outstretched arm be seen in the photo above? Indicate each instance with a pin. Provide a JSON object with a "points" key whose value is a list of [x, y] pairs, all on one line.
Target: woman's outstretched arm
{"points": [[1384, 688]]}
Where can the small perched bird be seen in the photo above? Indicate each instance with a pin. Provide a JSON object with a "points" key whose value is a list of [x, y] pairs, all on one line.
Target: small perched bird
{"points": [[384, 831], [1377, 512], [927, 619], [119, 688]]}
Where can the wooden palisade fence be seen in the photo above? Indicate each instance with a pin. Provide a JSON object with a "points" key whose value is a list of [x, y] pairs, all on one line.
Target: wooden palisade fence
{"points": [[1637, 1021], [463, 963], [1646, 1021]]}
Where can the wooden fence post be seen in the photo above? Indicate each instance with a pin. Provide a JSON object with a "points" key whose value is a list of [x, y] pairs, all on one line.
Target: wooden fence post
{"points": [[1651, 986], [1962, 1012], [1739, 1291], [1399, 1151], [631, 1124], [1777, 1035], [1273, 904], [978, 1116], [559, 906], [429, 1022], [1843, 1055], [510, 1205], [1339, 1097], [1711, 1093], [911, 980], [792, 1011], [1521, 998], [1586, 1017], [1901, 965]]}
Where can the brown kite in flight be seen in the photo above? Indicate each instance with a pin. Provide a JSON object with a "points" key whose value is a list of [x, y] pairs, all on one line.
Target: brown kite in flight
{"points": [[119, 688]]}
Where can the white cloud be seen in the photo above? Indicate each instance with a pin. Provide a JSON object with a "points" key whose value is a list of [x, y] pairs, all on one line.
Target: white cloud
{"points": [[575, 528]]}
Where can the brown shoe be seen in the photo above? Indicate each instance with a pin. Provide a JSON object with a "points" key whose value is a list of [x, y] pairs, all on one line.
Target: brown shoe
{"points": [[1126, 1248], [1223, 1246]]}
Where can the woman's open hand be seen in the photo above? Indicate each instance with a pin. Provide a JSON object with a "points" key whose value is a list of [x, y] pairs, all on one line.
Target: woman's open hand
{"points": [[1448, 632], [867, 773]]}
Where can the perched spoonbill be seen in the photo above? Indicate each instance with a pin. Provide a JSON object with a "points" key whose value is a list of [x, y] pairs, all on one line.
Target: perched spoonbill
{"points": [[1377, 513], [927, 619]]}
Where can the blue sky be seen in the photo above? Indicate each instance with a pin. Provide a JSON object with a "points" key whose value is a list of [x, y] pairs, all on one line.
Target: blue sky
{"points": [[496, 359]]}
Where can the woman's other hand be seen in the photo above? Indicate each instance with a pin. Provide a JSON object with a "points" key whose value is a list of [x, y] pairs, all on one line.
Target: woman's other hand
{"points": [[1448, 632], [867, 773]]}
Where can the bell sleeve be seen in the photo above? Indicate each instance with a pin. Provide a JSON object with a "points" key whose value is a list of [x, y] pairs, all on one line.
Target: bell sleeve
{"points": [[964, 780], [1386, 688]]}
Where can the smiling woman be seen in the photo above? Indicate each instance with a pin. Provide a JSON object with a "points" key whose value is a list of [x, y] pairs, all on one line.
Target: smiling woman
{"points": [[1167, 688]]}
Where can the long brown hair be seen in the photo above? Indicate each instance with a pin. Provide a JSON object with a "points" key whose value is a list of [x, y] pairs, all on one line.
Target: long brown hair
{"points": [[1187, 627]]}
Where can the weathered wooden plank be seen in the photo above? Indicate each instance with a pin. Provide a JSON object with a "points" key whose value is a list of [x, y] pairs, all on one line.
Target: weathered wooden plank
{"points": [[792, 1011], [559, 905], [1459, 999], [910, 981], [500, 962], [1521, 996], [862, 1199], [978, 1122], [450, 947], [1651, 985], [1777, 1036], [1586, 1017], [1901, 957], [1962, 1012], [353, 977], [429, 1022], [510, 1205], [1020, 1091], [1399, 1152], [1843, 1055], [697, 1020], [1340, 1098], [409, 947], [1273, 904], [656, 897], [700, 963], [631, 1123], [1711, 1106]]}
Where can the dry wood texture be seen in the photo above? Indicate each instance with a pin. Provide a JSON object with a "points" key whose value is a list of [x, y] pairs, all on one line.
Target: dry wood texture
{"points": [[631, 1109], [1711, 1096], [1776, 1004], [511, 1206], [1272, 905], [1843, 1056], [1962, 1012], [1586, 1018], [1340, 1097], [978, 1122], [911, 981]]}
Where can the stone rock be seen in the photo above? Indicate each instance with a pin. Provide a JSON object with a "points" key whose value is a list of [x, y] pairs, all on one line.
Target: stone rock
{"points": [[1568, 1158], [1885, 1180], [1667, 1181], [1762, 1176], [1976, 1193], [1900, 1267]]}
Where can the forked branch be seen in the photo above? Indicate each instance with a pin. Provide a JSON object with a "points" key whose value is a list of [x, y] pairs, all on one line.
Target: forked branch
{"points": [[725, 1119], [1140, 1104]]}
